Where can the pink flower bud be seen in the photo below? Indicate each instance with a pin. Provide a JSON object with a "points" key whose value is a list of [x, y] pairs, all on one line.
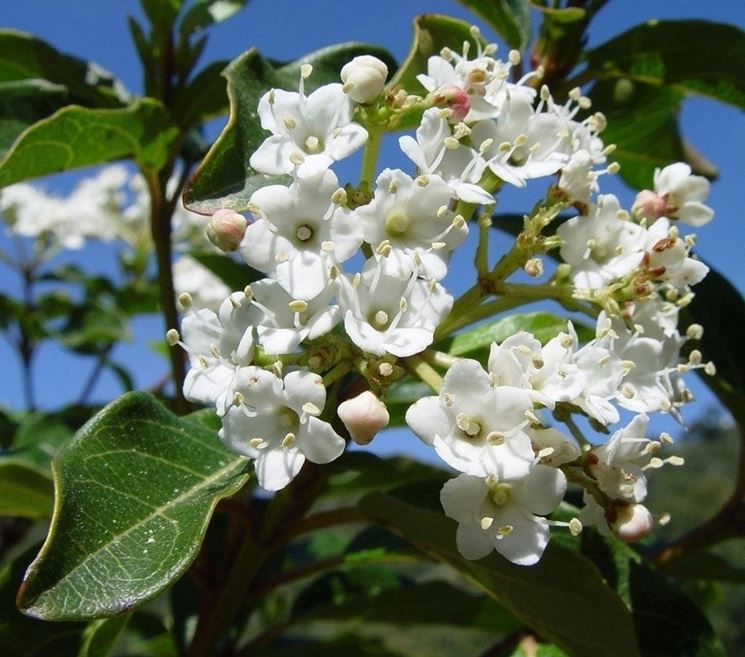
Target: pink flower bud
{"points": [[455, 98], [633, 523], [364, 78], [226, 229], [650, 205], [363, 416]]}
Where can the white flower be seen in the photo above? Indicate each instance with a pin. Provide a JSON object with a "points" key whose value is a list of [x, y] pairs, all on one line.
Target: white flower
{"points": [[459, 166], [300, 234], [276, 424], [667, 257], [521, 144], [475, 427], [603, 246], [578, 180], [504, 514], [408, 223], [282, 322], [553, 447], [683, 194], [309, 133], [364, 78], [217, 344], [388, 314]]}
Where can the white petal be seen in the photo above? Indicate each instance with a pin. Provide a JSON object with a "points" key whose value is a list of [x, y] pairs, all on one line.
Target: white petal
{"points": [[462, 497], [303, 387], [319, 442], [275, 468], [542, 490], [472, 541], [427, 419]]}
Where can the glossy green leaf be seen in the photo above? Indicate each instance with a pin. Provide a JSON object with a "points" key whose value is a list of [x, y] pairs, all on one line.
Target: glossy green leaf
{"points": [[694, 56], [432, 33], [667, 623], [508, 18], [24, 491], [204, 98], [100, 636], [24, 57], [225, 178], [403, 394], [76, 137], [562, 597], [203, 13], [135, 490]]}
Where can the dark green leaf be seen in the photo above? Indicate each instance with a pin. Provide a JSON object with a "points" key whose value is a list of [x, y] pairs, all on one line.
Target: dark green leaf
{"points": [[508, 18], [204, 13], [401, 395], [76, 137], [707, 566], [21, 636], [101, 635], [25, 492], [94, 328], [204, 98], [344, 646], [561, 15], [562, 597], [225, 178], [694, 56], [24, 57], [236, 275], [161, 13], [135, 491]]}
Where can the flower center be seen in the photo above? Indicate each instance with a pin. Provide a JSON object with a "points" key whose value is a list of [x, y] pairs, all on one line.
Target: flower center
{"points": [[518, 157], [313, 145], [500, 494], [468, 425], [288, 418], [396, 225], [380, 320], [304, 233]]}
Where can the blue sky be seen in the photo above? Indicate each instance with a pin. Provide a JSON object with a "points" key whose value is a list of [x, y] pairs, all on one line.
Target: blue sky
{"points": [[286, 29]]}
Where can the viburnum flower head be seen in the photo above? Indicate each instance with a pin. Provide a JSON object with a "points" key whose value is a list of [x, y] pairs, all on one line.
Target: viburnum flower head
{"points": [[275, 422], [390, 314], [300, 233], [410, 226], [505, 515], [475, 427], [309, 133]]}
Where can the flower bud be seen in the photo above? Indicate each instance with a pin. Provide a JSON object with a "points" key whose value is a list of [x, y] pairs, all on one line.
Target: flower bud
{"points": [[226, 229], [363, 416], [633, 523], [455, 98], [364, 78], [649, 205]]}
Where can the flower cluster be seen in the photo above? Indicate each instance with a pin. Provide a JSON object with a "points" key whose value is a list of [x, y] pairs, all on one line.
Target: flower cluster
{"points": [[353, 298]]}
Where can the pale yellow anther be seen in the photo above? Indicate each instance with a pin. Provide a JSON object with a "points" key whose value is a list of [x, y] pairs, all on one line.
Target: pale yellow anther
{"points": [[172, 337], [459, 222], [385, 369], [422, 181], [256, 443], [288, 441], [676, 460], [545, 93], [339, 197], [486, 522], [467, 425], [282, 256], [514, 57], [393, 187], [356, 279], [327, 246], [442, 211], [485, 145], [521, 140], [311, 409], [297, 158], [215, 350], [663, 519], [545, 452], [613, 168], [504, 147], [289, 122], [505, 530], [298, 305], [185, 300], [575, 527], [451, 143], [248, 292], [312, 144], [203, 362], [695, 357], [495, 438], [656, 463], [305, 71], [448, 399]]}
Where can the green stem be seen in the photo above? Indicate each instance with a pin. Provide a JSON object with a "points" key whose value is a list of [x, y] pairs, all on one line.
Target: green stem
{"points": [[337, 372], [480, 312], [370, 157], [438, 358], [419, 367]]}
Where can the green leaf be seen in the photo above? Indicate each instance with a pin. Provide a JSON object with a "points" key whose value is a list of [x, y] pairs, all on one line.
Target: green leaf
{"points": [[236, 275], [76, 137], [694, 56], [563, 597], [508, 18], [403, 394], [24, 491], [643, 123], [21, 636], [707, 566], [101, 635], [225, 178], [667, 623], [135, 490], [432, 33], [204, 13], [561, 15], [161, 13], [476, 342], [92, 328], [23, 57], [204, 98]]}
